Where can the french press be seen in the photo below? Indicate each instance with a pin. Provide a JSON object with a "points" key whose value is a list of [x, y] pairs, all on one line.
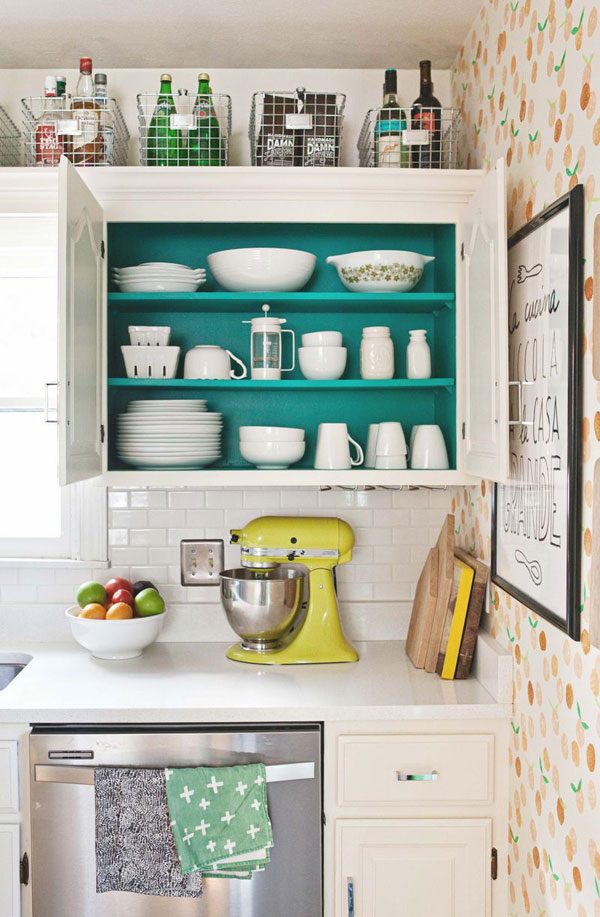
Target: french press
{"points": [[265, 346]]}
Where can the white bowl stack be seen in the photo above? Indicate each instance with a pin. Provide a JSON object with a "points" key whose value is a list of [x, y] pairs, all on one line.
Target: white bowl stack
{"points": [[159, 277], [169, 433], [322, 356], [272, 447]]}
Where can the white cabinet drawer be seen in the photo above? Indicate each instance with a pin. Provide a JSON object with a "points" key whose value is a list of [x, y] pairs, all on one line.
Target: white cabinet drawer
{"points": [[399, 770], [9, 778]]}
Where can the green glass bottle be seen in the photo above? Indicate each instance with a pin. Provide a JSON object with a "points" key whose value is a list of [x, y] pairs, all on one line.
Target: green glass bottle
{"points": [[206, 147], [163, 142]]}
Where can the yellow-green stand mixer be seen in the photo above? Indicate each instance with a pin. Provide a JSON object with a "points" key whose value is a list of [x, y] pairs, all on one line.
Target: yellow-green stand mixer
{"points": [[264, 601]]}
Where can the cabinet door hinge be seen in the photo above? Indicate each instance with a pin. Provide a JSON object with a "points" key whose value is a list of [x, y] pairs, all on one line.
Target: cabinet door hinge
{"points": [[494, 863], [24, 870], [463, 430], [462, 251], [101, 432], [102, 249]]}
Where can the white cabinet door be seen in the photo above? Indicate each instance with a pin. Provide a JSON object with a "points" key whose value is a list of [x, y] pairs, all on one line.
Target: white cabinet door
{"points": [[422, 868], [10, 888], [80, 273], [485, 330]]}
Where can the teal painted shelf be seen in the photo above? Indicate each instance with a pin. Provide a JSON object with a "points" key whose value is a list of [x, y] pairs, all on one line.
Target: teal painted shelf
{"points": [[284, 385]]}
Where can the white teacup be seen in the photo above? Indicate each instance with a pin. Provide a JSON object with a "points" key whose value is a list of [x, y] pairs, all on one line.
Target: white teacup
{"points": [[322, 339], [370, 453], [207, 361], [429, 448], [333, 447], [390, 439]]}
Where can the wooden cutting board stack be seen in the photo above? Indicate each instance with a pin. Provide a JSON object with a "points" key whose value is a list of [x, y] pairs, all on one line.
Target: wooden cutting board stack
{"points": [[447, 608]]}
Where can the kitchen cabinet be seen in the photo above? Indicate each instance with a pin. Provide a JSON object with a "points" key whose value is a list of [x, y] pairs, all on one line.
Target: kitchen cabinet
{"points": [[14, 821], [10, 889]]}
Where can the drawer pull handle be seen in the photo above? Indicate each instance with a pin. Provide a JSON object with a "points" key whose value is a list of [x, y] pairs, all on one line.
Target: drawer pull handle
{"points": [[350, 890], [417, 777]]}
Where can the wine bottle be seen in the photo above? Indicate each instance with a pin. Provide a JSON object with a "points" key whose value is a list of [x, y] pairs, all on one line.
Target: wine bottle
{"points": [[390, 150], [426, 116]]}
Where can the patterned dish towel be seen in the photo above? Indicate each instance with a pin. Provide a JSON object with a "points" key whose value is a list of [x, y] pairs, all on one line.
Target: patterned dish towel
{"points": [[220, 819], [134, 846]]}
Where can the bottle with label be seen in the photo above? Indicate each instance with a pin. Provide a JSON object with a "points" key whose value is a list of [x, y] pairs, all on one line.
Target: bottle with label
{"points": [[162, 144], [106, 124], [87, 145], [426, 116], [61, 86], [205, 141], [390, 150], [49, 145]]}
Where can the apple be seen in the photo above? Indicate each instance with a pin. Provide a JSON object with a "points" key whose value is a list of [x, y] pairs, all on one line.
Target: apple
{"points": [[122, 595], [149, 602], [143, 584], [117, 583], [91, 593], [119, 612]]}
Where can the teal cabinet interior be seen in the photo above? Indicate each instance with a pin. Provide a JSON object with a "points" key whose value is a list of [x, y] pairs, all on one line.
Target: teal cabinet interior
{"points": [[213, 316]]}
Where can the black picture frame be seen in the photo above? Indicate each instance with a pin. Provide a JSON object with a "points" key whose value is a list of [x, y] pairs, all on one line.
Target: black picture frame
{"points": [[571, 620]]}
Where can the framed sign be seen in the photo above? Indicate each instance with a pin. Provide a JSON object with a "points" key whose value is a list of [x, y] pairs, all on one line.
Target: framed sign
{"points": [[536, 515]]}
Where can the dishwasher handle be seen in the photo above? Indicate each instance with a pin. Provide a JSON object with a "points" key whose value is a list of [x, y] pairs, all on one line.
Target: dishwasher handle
{"points": [[84, 776]]}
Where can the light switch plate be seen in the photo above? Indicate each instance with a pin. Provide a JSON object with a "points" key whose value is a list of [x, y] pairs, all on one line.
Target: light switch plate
{"points": [[201, 561]]}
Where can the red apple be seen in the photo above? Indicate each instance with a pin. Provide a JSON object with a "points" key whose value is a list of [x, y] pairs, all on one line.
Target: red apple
{"points": [[115, 584], [122, 595]]}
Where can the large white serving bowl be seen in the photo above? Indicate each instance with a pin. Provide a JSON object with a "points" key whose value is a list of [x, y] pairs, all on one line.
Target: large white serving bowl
{"points": [[322, 362], [272, 455], [262, 269], [114, 639], [380, 271], [271, 434]]}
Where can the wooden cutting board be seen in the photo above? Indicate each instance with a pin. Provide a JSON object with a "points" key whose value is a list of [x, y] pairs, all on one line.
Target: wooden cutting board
{"points": [[476, 602], [445, 546], [595, 583], [422, 611]]}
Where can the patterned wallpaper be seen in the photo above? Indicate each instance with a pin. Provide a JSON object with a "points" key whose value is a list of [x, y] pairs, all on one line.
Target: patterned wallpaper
{"points": [[527, 82]]}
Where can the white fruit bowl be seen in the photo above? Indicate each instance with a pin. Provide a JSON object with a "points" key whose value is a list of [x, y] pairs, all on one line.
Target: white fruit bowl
{"points": [[380, 271], [114, 639], [261, 270], [272, 455]]}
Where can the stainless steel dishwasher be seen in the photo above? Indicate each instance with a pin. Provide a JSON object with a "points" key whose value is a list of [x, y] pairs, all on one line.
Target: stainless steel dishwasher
{"points": [[62, 811]]}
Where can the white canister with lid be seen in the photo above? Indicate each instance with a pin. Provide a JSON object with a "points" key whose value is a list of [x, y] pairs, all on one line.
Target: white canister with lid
{"points": [[377, 353], [418, 356]]}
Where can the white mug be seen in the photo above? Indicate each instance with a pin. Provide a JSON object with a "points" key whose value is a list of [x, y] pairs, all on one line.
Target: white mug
{"points": [[370, 453], [389, 462], [429, 448], [207, 361], [333, 447], [390, 439]]}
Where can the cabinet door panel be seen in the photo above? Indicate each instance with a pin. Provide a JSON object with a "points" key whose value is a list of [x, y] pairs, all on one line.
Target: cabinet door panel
{"points": [[421, 868], [486, 330], [10, 889], [80, 272]]}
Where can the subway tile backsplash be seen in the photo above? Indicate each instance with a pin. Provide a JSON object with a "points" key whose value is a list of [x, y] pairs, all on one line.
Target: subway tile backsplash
{"points": [[393, 531]]}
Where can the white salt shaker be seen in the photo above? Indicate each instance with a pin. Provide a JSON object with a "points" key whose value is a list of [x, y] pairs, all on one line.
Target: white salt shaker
{"points": [[377, 353], [418, 356]]}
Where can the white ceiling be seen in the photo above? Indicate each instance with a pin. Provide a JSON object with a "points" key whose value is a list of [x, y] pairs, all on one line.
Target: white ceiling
{"points": [[233, 33]]}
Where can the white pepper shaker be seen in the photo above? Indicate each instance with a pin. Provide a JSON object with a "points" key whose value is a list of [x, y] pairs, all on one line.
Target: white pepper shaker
{"points": [[418, 356], [376, 353]]}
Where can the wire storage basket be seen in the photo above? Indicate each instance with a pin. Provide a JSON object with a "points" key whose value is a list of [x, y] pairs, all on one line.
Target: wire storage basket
{"points": [[88, 131], [402, 138], [189, 130], [298, 128], [10, 141]]}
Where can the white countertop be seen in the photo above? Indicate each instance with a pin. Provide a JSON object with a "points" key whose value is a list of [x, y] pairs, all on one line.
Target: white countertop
{"points": [[195, 682]]}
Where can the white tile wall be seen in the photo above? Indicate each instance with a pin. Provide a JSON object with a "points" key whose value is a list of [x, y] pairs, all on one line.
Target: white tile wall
{"points": [[393, 531]]}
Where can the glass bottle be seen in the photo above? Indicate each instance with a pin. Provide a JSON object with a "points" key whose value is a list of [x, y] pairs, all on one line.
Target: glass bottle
{"points": [[61, 86], [390, 151], [427, 115], [87, 146], [108, 134], [418, 355], [205, 141], [49, 145], [162, 145]]}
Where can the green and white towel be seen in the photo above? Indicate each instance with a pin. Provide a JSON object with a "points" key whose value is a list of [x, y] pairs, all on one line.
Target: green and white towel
{"points": [[220, 819]]}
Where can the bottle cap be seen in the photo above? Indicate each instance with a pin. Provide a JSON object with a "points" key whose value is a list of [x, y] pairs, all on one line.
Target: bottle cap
{"points": [[391, 81], [100, 78], [204, 77], [50, 85], [85, 64], [165, 77]]}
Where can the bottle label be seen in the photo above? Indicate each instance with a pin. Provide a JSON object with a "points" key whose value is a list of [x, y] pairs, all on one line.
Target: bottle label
{"points": [[88, 129], [48, 147], [424, 118], [319, 151], [389, 152], [278, 149]]}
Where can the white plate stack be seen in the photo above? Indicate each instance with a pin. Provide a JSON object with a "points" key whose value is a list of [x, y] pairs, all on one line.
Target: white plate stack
{"points": [[159, 277], [169, 433]]}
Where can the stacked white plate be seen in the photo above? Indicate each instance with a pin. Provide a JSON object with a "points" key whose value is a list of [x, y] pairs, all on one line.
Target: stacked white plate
{"points": [[159, 277], [169, 433]]}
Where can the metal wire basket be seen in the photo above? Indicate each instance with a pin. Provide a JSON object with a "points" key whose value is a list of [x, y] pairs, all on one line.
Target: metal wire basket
{"points": [[195, 132], [401, 138], [88, 131], [298, 128], [10, 141]]}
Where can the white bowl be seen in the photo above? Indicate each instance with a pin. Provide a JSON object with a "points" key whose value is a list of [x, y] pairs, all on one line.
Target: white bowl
{"points": [[322, 339], [380, 271], [262, 269], [272, 454], [114, 639], [149, 335], [322, 362], [271, 434]]}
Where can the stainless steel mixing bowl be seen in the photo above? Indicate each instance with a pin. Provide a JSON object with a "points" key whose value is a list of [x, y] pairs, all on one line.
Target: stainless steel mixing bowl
{"points": [[262, 606]]}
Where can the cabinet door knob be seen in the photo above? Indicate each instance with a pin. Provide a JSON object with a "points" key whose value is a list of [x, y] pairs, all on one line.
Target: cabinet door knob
{"points": [[402, 776]]}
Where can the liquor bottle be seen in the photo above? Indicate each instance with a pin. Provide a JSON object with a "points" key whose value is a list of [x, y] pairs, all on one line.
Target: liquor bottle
{"points": [[390, 150], [49, 145], [106, 120], [426, 116], [88, 145], [205, 141], [162, 145]]}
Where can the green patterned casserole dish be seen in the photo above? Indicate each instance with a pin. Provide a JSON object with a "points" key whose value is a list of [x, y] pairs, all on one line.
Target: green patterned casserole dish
{"points": [[385, 271]]}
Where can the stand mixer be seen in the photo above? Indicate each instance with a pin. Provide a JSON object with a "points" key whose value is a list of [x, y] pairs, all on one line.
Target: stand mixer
{"points": [[264, 599]]}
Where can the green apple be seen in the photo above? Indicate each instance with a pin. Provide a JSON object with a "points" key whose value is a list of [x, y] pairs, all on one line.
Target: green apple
{"points": [[149, 602], [91, 594]]}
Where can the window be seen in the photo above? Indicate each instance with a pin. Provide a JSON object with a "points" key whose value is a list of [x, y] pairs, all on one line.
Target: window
{"points": [[37, 517]]}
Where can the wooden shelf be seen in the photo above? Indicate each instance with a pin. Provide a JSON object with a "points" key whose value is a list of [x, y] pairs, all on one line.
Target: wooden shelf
{"points": [[283, 385]]}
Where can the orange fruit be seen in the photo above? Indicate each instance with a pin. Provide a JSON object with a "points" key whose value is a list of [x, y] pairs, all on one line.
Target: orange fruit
{"points": [[119, 612], [93, 610]]}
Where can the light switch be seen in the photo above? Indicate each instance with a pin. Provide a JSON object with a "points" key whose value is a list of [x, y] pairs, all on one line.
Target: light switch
{"points": [[201, 561]]}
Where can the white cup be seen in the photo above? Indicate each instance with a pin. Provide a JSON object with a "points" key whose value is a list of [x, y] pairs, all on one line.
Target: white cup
{"points": [[333, 447], [370, 453], [429, 448], [322, 339], [411, 441], [390, 462], [390, 439], [207, 361]]}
